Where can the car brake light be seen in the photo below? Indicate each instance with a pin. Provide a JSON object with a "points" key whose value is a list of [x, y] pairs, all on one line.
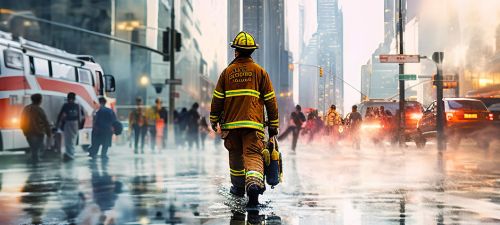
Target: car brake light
{"points": [[490, 116], [14, 122], [449, 116], [416, 116]]}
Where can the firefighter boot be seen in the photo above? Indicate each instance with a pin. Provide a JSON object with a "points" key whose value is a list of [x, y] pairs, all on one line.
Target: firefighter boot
{"points": [[253, 192], [237, 191]]}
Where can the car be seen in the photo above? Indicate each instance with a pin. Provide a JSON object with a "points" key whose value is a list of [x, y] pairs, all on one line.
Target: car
{"points": [[493, 130], [495, 110], [377, 129], [493, 105], [464, 118]]}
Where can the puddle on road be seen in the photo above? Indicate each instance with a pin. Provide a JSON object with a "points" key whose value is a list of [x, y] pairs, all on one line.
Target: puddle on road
{"points": [[366, 187]]}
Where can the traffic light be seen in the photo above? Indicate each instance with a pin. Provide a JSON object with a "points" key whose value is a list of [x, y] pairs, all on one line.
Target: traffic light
{"points": [[450, 84], [166, 43], [321, 72], [178, 41], [449, 81]]}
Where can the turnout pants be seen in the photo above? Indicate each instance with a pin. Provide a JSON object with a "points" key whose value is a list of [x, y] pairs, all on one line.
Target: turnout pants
{"points": [[245, 157]]}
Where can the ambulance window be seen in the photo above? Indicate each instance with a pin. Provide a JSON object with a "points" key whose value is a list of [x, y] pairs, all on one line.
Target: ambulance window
{"points": [[13, 59], [99, 82], [63, 71], [39, 67], [84, 76]]}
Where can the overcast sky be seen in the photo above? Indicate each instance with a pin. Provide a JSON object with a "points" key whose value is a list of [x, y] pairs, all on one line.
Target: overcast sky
{"points": [[363, 31]]}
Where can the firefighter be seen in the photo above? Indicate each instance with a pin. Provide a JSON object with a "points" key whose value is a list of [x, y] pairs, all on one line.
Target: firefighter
{"points": [[333, 122], [242, 91]]}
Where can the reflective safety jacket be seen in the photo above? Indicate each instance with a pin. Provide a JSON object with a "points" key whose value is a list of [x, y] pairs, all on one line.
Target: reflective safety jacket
{"points": [[238, 101], [333, 118]]}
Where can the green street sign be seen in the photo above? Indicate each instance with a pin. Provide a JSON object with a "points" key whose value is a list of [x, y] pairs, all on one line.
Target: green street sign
{"points": [[408, 76]]}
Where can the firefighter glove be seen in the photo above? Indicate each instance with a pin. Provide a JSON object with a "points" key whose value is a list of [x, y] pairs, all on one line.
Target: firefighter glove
{"points": [[214, 126], [273, 131]]}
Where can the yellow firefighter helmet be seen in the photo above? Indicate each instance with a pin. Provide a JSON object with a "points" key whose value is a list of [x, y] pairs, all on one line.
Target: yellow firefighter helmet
{"points": [[244, 40]]}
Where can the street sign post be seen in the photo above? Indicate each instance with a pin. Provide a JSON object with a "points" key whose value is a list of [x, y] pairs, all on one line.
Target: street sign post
{"points": [[173, 81], [437, 57], [407, 76], [400, 58]]}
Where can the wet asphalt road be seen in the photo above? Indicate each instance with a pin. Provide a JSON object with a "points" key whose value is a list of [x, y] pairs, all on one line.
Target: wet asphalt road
{"points": [[375, 185]]}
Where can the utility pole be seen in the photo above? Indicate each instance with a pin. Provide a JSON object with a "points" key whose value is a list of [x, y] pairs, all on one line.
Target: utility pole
{"points": [[171, 102], [437, 57], [402, 114]]}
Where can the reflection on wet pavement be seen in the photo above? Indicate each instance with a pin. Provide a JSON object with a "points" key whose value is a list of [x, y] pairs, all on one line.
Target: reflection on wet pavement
{"points": [[322, 186]]}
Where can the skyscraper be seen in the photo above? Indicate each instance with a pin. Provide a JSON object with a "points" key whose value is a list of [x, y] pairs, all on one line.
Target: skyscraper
{"points": [[265, 20], [253, 22], [309, 79], [233, 24], [330, 32]]}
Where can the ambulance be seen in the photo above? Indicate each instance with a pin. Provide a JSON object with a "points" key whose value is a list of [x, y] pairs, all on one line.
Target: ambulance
{"points": [[28, 67]]}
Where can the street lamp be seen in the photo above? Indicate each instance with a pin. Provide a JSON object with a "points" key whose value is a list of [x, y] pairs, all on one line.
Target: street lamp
{"points": [[144, 80], [129, 24]]}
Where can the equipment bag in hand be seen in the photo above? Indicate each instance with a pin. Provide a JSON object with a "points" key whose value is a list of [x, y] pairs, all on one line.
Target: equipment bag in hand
{"points": [[273, 164]]}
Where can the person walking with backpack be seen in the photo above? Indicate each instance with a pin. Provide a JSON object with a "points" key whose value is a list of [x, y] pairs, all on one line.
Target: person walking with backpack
{"points": [[35, 126], [70, 119], [102, 130]]}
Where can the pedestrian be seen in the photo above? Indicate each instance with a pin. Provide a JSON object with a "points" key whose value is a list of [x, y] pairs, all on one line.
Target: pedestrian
{"points": [[177, 128], [35, 126], [204, 130], [102, 130], [242, 91], [333, 122], [297, 119], [355, 120], [314, 124], [183, 116], [368, 113], [193, 127], [152, 118], [70, 119], [137, 120], [163, 119]]}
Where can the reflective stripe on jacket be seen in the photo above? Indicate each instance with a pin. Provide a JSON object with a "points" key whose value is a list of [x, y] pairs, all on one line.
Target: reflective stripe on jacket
{"points": [[238, 101]]}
